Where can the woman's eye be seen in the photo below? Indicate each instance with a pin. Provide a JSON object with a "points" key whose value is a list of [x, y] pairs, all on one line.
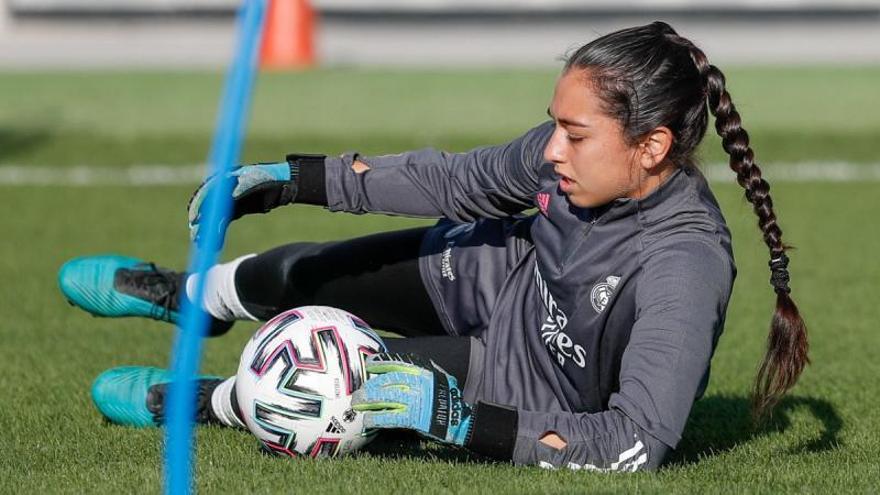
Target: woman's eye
{"points": [[574, 138]]}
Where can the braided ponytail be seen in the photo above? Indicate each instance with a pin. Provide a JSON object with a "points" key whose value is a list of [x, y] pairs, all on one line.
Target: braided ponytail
{"points": [[787, 344], [649, 76]]}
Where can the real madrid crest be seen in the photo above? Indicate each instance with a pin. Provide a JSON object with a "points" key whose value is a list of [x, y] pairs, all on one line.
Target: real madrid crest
{"points": [[602, 292]]}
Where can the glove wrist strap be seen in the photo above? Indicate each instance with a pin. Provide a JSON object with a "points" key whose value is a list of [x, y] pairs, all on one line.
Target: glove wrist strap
{"points": [[308, 179], [493, 430]]}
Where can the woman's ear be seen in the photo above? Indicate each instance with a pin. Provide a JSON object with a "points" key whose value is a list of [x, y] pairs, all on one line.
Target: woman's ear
{"points": [[654, 147]]}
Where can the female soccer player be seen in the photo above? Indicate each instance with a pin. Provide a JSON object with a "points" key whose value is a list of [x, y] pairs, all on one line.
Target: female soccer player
{"points": [[580, 335]]}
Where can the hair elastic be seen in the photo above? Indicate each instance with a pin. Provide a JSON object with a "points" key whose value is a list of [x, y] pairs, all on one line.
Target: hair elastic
{"points": [[779, 274]]}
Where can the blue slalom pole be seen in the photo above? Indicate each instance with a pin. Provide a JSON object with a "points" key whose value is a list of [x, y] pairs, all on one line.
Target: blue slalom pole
{"points": [[225, 151]]}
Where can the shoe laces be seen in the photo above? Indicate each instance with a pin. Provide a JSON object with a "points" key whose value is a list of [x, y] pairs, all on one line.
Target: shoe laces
{"points": [[160, 286], [157, 395]]}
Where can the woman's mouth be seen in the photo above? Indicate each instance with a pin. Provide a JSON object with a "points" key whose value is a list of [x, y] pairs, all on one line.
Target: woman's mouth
{"points": [[565, 184]]}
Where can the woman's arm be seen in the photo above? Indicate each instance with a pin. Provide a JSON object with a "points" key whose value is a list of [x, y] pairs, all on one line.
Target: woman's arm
{"points": [[495, 181], [605, 441], [681, 297]]}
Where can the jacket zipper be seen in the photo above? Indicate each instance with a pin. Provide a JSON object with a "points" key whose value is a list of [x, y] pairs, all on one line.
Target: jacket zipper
{"points": [[583, 238]]}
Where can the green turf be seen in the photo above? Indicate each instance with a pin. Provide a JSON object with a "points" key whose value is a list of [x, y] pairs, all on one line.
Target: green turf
{"points": [[796, 114], [824, 437]]}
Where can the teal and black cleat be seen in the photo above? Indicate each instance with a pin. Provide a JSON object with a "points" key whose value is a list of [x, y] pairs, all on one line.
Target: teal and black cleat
{"points": [[135, 396], [114, 286]]}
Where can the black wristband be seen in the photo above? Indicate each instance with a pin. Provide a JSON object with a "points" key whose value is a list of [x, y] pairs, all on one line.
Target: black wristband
{"points": [[308, 172], [493, 433]]}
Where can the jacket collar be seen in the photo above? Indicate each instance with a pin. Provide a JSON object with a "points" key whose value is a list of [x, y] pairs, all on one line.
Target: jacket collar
{"points": [[670, 192]]}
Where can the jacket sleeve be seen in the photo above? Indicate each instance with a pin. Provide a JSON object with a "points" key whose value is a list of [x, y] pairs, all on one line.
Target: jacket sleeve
{"points": [[681, 301], [490, 182]]}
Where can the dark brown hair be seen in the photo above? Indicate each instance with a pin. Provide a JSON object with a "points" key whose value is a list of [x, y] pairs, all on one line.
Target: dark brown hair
{"points": [[649, 76]]}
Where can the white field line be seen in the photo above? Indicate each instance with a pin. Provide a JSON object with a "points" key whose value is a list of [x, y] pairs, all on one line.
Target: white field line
{"points": [[86, 175], [165, 175], [803, 172]]}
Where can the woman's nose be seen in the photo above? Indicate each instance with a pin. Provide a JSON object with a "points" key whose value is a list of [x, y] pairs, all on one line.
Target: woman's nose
{"points": [[555, 150]]}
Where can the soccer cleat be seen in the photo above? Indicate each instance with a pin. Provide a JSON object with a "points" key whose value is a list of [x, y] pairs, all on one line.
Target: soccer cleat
{"points": [[135, 396], [116, 286]]}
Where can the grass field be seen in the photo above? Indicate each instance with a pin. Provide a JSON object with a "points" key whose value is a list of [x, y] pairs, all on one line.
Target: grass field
{"points": [[825, 436]]}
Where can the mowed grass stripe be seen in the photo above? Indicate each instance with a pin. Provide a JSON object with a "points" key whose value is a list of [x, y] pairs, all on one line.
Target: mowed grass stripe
{"points": [[792, 114]]}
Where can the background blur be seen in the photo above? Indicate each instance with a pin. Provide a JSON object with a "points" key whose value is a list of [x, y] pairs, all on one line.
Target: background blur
{"points": [[107, 108], [432, 33]]}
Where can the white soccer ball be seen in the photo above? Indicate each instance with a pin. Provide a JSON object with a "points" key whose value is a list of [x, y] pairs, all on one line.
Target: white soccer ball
{"points": [[296, 377]]}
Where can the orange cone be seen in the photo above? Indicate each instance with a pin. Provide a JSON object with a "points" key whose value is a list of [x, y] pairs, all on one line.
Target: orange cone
{"points": [[289, 37]]}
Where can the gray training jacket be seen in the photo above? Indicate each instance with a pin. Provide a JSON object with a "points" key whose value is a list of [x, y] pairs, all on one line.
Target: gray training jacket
{"points": [[601, 325]]}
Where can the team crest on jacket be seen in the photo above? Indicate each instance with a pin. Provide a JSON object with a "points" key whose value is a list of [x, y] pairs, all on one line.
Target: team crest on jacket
{"points": [[602, 292]]}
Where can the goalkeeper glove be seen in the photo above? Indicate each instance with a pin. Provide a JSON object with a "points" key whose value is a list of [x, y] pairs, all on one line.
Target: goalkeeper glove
{"points": [[413, 393], [254, 189]]}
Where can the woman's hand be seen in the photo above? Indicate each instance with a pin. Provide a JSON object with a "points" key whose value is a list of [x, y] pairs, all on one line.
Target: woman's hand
{"points": [[411, 392], [254, 189]]}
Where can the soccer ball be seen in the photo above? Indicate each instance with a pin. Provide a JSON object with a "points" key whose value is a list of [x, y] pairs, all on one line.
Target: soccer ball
{"points": [[296, 377]]}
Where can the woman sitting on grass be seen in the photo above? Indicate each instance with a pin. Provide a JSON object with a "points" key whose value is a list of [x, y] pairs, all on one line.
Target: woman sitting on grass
{"points": [[580, 335]]}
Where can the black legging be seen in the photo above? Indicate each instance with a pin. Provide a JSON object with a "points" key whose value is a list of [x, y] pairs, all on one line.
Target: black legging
{"points": [[375, 277]]}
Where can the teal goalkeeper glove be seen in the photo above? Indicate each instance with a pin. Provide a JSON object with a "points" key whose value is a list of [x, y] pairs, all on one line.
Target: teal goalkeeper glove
{"points": [[254, 189], [411, 392]]}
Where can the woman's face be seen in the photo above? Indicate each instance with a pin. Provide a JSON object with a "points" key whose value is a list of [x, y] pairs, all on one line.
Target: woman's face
{"points": [[595, 163]]}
